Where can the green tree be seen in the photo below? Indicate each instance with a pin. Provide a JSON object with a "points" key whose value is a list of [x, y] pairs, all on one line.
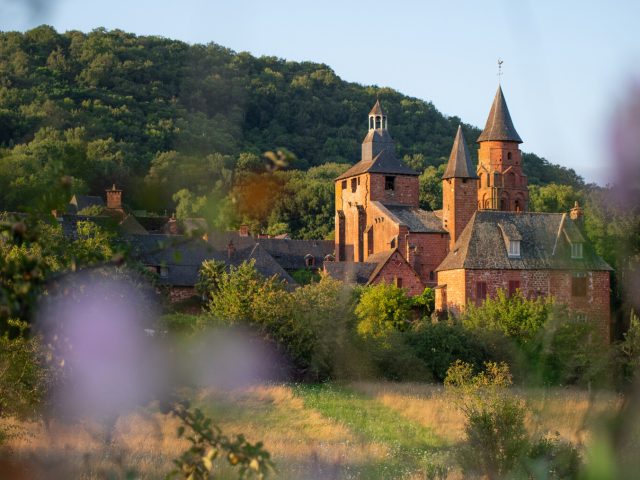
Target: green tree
{"points": [[381, 310]]}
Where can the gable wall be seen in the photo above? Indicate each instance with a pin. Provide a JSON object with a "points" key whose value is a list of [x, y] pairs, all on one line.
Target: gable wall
{"points": [[397, 267]]}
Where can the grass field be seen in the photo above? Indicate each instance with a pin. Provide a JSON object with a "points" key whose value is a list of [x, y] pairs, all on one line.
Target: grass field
{"points": [[358, 430]]}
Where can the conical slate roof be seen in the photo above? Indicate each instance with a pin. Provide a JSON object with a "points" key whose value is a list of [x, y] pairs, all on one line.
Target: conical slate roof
{"points": [[377, 109], [499, 125], [460, 165]]}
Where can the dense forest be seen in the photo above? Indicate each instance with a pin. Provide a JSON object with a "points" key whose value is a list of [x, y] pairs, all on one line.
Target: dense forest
{"points": [[181, 126]]}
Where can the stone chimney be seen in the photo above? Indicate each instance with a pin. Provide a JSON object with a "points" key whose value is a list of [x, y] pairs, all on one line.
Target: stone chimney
{"points": [[244, 230], [171, 227], [231, 249], [114, 198], [576, 213]]}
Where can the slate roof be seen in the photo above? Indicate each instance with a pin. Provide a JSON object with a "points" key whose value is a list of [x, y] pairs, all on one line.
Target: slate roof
{"points": [[351, 273], [499, 124], [416, 219], [544, 243], [152, 224], [460, 165], [290, 254], [377, 109], [80, 202], [384, 162], [184, 255]]}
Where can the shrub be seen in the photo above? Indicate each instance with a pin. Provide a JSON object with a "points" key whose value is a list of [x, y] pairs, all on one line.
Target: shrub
{"points": [[496, 438], [438, 345], [551, 457], [382, 309]]}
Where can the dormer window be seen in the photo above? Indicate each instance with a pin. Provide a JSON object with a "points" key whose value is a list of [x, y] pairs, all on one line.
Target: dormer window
{"points": [[576, 250], [309, 260], [514, 248], [390, 183], [163, 271]]}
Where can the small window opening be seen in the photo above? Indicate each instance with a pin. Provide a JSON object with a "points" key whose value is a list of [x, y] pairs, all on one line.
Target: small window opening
{"points": [[164, 272], [576, 250], [514, 248], [432, 276], [481, 292], [389, 183], [509, 156], [354, 184], [579, 285], [344, 184], [370, 122], [514, 286], [398, 282], [378, 122]]}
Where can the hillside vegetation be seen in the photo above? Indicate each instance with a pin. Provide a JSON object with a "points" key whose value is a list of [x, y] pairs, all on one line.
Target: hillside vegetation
{"points": [[157, 116]]}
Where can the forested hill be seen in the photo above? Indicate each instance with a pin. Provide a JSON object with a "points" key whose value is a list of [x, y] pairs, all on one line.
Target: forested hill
{"points": [[107, 106]]}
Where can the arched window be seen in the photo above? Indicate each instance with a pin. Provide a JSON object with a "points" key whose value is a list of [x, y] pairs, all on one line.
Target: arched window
{"points": [[378, 122], [309, 260]]}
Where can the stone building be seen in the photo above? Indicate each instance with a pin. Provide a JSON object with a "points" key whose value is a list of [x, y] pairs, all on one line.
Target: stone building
{"points": [[484, 238]]}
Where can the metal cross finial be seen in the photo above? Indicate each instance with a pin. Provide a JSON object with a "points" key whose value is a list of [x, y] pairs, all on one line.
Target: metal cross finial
{"points": [[500, 62]]}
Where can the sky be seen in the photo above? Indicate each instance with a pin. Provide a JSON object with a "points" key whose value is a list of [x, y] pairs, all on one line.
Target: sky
{"points": [[568, 65]]}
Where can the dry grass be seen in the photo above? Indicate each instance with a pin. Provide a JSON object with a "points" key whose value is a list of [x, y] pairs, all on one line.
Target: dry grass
{"points": [[303, 442], [570, 412]]}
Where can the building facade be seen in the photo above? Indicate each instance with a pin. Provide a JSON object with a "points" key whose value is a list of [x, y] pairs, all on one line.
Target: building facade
{"points": [[483, 240]]}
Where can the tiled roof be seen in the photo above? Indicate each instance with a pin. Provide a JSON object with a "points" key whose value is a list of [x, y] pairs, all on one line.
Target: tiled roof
{"points": [[377, 109], [544, 243], [460, 165], [290, 254], [499, 124], [416, 219], [384, 162], [351, 273], [184, 255], [80, 202]]}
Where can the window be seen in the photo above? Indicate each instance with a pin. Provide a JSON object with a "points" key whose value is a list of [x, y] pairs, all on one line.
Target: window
{"points": [[164, 272], [370, 241], [398, 282], [514, 285], [309, 260], [579, 285], [389, 183], [344, 184], [481, 292], [432, 276], [509, 156], [354, 184], [514, 248], [378, 123], [393, 243], [576, 250], [370, 122]]}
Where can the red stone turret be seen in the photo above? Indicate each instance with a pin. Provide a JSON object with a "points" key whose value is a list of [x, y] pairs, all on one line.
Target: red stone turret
{"points": [[502, 185], [459, 190]]}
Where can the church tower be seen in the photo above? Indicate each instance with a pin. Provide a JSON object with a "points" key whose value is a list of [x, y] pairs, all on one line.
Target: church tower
{"points": [[459, 190], [502, 184], [379, 176]]}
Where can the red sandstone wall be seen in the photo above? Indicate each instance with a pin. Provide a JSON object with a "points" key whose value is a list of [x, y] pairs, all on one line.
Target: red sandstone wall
{"points": [[511, 181], [452, 297], [557, 283], [431, 249], [459, 203], [406, 192], [397, 267]]}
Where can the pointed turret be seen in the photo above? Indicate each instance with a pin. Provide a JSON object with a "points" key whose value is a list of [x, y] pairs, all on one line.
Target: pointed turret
{"points": [[377, 109], [460, 165], [499, 125]]}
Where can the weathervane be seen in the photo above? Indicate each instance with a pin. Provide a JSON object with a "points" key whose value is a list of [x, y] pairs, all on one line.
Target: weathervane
{"points": [[500, 62]]}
